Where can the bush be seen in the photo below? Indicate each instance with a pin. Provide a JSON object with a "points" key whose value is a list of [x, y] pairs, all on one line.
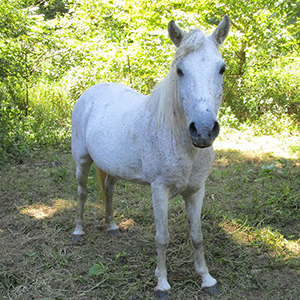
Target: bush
{"points": [[262, 93], [14, 132]]}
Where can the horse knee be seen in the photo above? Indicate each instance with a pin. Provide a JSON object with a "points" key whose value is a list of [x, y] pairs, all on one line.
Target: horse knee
{"points": [[82, 191], [197, 241], [162, 240]]}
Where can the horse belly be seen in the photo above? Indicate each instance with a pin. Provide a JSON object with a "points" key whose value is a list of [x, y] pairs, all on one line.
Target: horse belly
{"points": [[119, 164]]}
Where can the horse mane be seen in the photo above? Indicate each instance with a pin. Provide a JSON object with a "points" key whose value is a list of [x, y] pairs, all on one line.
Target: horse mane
{"points": [[163, 101]]}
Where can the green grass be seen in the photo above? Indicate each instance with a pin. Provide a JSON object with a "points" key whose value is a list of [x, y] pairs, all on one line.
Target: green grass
{"points": [[251, 225]]}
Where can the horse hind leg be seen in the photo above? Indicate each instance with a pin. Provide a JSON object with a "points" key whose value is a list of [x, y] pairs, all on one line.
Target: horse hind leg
{"points": [[82, 171], [107, 184], [112, 228]]}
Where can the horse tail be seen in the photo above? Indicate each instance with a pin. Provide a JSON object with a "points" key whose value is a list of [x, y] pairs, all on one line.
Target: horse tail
{"points": [[101, 175]]}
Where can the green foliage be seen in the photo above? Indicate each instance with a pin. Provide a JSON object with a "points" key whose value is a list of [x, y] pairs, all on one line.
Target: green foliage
{"points": [[51, 8], [13, 129], [51, 53], [269, 94], [27, 47], [258, 53]]}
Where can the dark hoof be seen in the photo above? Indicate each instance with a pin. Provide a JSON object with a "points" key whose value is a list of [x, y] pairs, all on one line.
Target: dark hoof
{"points": [[113, 232], [161, 295], [76, 238], [212, 290]]}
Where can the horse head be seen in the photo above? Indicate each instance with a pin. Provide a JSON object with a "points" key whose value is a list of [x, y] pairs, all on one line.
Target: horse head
{"points": [[198, 70]]}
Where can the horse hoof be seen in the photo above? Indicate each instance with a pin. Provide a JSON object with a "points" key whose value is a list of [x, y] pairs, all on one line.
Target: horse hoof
{"points": [[76, 238], [212, 290], [161, 295], [113, 232]]}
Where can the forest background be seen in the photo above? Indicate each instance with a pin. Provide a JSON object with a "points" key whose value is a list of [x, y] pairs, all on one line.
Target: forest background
{"points": [[51, 51]]}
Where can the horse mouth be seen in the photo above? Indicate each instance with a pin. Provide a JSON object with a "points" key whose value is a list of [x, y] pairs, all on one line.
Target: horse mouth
{"points": [[203, 143]]}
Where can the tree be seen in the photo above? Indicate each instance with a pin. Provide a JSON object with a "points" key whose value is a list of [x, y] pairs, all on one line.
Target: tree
{"points": [[51, 51]]}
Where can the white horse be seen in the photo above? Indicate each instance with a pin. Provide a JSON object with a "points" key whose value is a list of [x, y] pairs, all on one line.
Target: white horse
{"points": [[164, 139]]}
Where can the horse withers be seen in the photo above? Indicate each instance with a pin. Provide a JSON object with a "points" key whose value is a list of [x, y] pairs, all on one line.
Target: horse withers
{"points": [[164, 140]]}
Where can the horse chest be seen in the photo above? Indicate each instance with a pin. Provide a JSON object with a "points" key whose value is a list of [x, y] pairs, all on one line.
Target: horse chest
{"points": [[188, 174]]}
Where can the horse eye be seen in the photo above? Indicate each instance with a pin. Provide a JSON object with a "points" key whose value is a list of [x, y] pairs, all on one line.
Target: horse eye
{"points": [[222, 70], [179, 72]]}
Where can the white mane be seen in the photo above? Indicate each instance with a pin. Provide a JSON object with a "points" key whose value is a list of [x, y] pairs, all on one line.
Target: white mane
{"points": [[163, 101]]}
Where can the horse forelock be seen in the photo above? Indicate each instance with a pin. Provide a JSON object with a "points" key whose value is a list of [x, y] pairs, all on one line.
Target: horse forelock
{"points": [[163, 101], [191, 41]]}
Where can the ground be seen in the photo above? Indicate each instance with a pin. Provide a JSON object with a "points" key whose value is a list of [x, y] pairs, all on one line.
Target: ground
{"points": [[251, 226]]}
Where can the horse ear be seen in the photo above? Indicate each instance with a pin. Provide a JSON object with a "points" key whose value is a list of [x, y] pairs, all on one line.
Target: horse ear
{"points": [[221, 32], [175, 33]]}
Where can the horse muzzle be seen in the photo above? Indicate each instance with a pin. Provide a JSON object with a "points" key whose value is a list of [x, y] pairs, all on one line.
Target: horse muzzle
{"points": [[203, 135]]}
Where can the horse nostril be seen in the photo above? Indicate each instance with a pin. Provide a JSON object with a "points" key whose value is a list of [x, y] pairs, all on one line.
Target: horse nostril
{"points": [[193, 130], [215, 130], [204, 132]]}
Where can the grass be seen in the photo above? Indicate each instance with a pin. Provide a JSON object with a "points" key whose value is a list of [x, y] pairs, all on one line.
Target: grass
{"points": [[251, 225]]}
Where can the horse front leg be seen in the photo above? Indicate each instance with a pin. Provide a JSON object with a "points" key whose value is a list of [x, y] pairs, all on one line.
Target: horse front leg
{"points": [[193, 208], [82, 172], [160, 196]]}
